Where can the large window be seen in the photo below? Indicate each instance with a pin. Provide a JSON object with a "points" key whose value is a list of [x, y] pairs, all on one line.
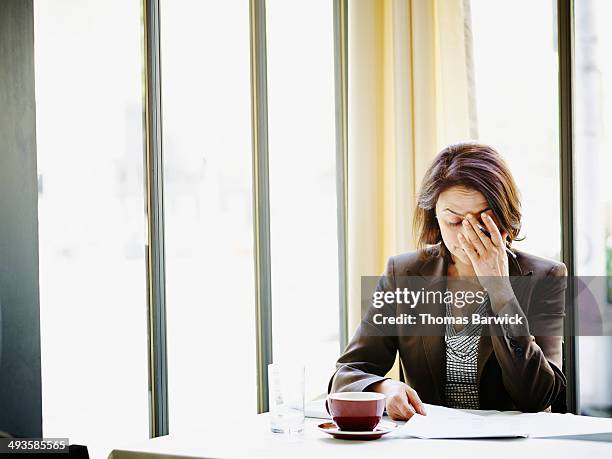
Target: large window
{"points": [[208, 209], [91, 221], [516, 95], [300, 47], [593, 194], [517, 98]]}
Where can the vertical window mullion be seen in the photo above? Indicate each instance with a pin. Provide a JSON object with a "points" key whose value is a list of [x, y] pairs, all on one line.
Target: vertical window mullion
{"points": [[565, 46], [156, 279], [261, 199], [341, 88]]}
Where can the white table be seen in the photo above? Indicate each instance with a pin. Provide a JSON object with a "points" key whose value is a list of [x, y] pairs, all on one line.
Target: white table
{"points": [[251, 437]]}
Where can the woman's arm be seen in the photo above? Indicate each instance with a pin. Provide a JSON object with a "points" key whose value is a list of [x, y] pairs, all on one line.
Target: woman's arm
{"points": [[370, 354], [530, 368], [368, 358], [531, 365]]}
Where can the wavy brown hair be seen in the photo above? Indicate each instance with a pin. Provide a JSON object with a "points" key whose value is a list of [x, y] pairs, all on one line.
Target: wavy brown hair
{"points": [[475, 166]]}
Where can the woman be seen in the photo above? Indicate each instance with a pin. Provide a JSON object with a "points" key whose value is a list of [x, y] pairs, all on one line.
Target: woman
{"points": [[490, 366]]}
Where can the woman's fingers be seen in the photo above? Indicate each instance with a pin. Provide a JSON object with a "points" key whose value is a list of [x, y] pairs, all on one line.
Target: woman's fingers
{"points": [[468, 249], [484, 239], [397, 411], [403, 401], [399, 406], [496, 237], [470, 234], [406, 408], [415, 401]]}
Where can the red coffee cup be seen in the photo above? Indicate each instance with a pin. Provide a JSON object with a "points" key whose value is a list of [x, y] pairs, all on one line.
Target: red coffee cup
{"points": [[356, 411]]}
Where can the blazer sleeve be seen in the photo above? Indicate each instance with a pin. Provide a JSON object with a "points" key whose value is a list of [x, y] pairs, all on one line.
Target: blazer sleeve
{"points": [[370, 354], [531, 365]]}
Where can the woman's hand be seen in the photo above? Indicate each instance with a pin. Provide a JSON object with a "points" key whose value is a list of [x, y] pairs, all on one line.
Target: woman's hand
{"points": [[401, 400], [488, 257]]}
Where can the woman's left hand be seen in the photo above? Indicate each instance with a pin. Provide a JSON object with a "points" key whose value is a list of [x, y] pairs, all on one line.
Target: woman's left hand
{"points": [[488, 256]]}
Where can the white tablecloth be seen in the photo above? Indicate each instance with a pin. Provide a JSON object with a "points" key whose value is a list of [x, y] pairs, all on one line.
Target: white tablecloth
{"points": [[251, 437]]}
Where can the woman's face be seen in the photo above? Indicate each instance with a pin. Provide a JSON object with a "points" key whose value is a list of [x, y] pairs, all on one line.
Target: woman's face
{"points": [[453, 205]]}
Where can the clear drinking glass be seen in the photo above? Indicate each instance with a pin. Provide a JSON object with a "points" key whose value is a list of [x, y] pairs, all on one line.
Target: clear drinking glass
{"points": [[286, 397]]}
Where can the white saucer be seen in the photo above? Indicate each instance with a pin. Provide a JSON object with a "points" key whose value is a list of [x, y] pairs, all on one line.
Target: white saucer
{"points": [[383, 427]]}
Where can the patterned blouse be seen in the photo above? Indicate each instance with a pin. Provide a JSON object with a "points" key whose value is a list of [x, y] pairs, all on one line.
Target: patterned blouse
{"points": [[461, 390]]}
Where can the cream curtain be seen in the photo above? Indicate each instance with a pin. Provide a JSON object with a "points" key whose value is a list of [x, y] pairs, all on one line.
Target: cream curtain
{"points": [[410, 94]]}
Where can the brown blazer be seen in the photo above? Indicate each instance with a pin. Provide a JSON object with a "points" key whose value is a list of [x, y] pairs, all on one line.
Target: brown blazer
{"points": [[513, 372]]}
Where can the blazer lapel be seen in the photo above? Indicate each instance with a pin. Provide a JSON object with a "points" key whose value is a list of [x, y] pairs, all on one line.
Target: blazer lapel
{"points": [[433, 272]]}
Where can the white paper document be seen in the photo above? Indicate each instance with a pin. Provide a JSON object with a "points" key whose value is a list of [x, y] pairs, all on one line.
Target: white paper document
{"points": [[461, 425], [316, 409], [442, 422], [544, 425]]}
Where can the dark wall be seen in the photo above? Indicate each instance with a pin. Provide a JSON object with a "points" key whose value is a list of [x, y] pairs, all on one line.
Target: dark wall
{"points": [[20, 386]]}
